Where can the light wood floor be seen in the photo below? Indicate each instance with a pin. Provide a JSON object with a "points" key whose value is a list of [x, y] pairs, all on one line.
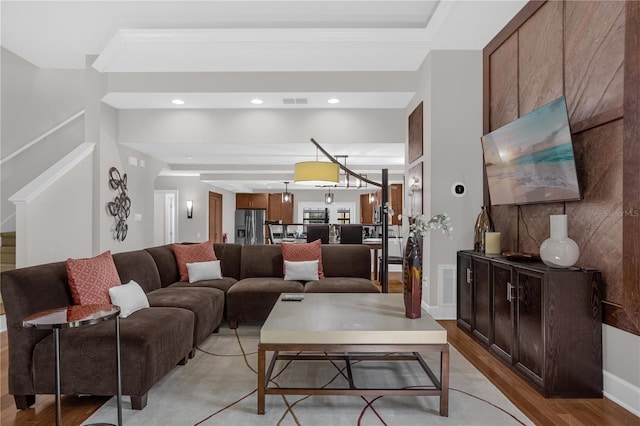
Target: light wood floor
{"points": [[539, 409]]}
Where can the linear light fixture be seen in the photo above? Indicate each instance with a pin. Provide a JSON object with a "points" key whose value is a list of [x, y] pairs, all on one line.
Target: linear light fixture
{"points": [[309, 172]]}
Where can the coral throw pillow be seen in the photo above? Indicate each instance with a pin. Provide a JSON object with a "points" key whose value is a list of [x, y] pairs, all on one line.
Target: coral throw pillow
{"points": [[91, 278], [192, 253], [294, 252]]}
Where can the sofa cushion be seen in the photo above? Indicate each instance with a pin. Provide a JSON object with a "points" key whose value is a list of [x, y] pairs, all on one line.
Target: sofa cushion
{"points": [[191, 253], [251, 299], [139, 266], [304, 270], [261, 260], [341, 285], [153, 341], [223, 284], [296, 252], [346, 260], [129, 297], [200, 271], [91, 278], [207, 305]]}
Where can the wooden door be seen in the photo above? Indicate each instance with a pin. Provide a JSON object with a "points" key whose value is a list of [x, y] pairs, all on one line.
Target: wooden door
{"points": [[464, 293], [481, 300], [529, 344], [502, 326], [215, 217]]}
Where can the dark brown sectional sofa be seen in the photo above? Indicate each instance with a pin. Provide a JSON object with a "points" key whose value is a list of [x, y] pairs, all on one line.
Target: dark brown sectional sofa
{"points": [[156, 339]]}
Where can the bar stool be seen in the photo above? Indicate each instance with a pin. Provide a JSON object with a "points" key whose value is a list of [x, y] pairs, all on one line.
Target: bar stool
{"points": [[391, 260], [315, 232], [351, 234]]}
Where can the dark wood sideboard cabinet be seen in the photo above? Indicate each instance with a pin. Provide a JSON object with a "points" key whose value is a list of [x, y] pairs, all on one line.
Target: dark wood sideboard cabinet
{"points": [[545, 323]]}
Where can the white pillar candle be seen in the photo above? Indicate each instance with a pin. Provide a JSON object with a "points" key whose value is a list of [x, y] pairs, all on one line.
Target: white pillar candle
{"points": [[492, 243]]}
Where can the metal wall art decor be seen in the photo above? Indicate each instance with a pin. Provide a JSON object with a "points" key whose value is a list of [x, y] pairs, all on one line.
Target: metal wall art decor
{"points": [[120, 207]]}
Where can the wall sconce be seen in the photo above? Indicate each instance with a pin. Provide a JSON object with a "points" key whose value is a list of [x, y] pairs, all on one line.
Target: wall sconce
{"points": [[189, 209], [286, 195], [372, 198], [328, 197]]}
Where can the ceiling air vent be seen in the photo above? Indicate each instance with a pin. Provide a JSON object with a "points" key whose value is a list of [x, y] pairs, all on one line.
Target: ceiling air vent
{"points": [[295, 101]]}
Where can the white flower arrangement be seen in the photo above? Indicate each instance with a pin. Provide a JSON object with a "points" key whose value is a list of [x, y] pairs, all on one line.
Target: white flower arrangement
{"points": [[418, 224]]}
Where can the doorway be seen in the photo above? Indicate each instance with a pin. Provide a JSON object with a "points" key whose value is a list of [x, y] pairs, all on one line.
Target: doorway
{"points": [[215, 217], [165, 215]]}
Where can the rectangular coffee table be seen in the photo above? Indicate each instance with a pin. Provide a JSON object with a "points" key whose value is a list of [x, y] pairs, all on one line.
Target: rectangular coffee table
{"points": [[351, 327]]}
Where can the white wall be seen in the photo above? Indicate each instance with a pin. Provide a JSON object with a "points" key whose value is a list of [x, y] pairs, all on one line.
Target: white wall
{"points": [[101, 127], [33, 101], [57, 224], [261, 126], [621, 362], [451, 90], [196, 229]]}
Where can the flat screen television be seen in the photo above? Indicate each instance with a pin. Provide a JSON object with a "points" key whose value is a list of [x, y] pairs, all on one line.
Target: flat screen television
{"points": [[530, 160]]}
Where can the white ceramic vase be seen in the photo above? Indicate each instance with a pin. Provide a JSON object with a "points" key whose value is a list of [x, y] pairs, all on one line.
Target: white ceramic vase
{"points": [[559, 251]]}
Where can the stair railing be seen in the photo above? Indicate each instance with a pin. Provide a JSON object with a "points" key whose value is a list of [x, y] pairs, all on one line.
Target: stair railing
{"points": [[41, 137]]}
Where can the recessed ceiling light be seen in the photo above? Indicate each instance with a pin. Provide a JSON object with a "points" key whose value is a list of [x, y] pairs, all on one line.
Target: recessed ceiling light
{"points": [[177, 102], [189, 157], [334, 101], [256, 101]]}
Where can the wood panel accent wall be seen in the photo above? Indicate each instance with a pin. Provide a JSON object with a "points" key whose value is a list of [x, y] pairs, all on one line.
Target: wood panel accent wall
{"points": [[590, 53], [416, 133]]}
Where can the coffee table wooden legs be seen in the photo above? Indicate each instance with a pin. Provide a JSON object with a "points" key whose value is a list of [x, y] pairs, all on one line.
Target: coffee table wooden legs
{"points": [[444, 382], [261, 378]]}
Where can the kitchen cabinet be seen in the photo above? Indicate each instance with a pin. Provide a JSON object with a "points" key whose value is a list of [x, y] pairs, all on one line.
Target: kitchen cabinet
{"points": [[250, 201], [395, 199], [366, 209], [279, 211], [545, 323]]}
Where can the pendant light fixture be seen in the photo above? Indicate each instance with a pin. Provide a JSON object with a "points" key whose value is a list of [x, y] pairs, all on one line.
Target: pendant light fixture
{"points": [[317, 173], [328, 197], [286, 195]]}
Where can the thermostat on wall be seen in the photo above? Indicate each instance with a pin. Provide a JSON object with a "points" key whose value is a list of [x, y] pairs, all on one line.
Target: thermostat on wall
{"points": [[458, 189]]}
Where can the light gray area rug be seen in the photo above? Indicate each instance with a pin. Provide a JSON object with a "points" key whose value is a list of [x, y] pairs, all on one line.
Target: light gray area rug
{"points": [[218, 387]]}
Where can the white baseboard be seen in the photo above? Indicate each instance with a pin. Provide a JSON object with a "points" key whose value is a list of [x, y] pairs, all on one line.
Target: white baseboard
{"points": [[623, 393], [443, 312]]}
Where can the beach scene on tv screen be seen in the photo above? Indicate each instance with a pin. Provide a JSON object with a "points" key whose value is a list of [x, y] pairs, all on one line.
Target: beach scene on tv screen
{"points": [[531, 159]]}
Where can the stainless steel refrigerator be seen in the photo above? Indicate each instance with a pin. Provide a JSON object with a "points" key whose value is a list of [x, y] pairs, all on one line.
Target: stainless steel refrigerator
{"points": [[250, 226]]}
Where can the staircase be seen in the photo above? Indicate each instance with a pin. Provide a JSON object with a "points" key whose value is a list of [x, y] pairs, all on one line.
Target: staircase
{"points": [[8, 251], [7, 256]]}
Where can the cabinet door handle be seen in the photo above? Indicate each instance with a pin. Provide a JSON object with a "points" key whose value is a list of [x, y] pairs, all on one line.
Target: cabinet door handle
{"points": [[509, 292], [469, 274]]}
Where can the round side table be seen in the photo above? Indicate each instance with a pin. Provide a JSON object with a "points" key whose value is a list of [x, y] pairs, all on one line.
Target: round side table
{"points": [[77, 316]]}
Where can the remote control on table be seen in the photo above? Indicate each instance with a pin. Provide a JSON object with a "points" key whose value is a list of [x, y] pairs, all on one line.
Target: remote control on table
{"points": [[293, 297]]}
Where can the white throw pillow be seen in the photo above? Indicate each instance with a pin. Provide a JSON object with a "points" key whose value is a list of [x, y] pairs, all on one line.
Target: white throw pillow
{"points": [[199, 271], [305, 270], [130, 297]]}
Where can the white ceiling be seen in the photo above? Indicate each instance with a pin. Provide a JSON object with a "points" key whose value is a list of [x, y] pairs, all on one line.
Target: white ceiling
{"points": [[246, 38]]}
